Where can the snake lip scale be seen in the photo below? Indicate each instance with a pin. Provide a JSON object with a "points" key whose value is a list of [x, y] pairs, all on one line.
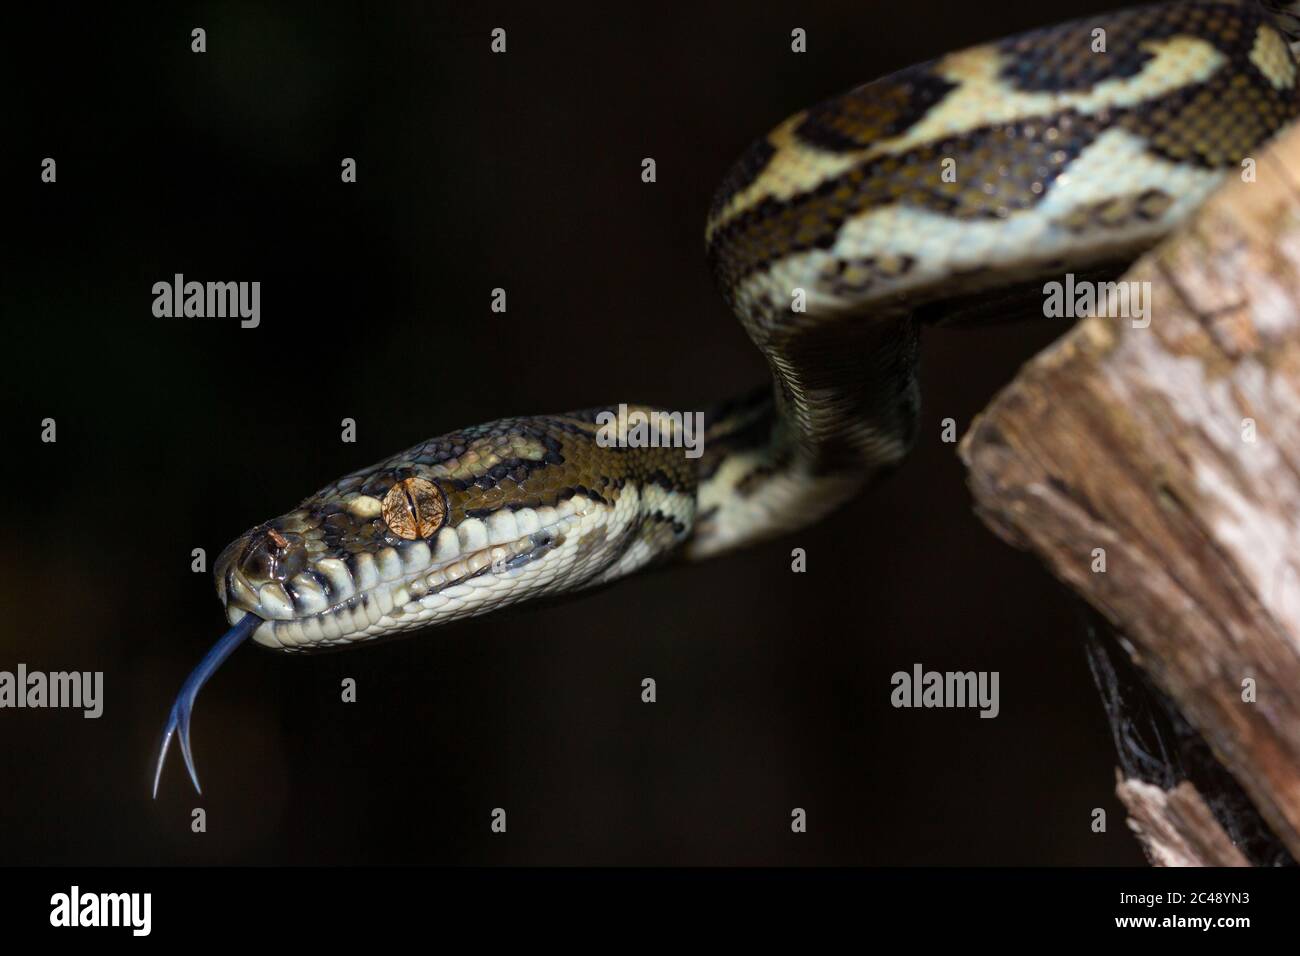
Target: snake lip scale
{"points": [[891, 206]]}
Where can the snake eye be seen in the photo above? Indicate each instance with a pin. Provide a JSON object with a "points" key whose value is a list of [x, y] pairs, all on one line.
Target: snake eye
{"points": [[414, 508]]}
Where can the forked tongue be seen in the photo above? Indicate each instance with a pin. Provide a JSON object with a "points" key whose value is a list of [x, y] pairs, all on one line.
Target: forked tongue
{"points": [[178, 721]]}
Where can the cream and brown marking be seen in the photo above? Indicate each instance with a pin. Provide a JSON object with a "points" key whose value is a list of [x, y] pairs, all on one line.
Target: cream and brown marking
{"points": [[1056, 154]]}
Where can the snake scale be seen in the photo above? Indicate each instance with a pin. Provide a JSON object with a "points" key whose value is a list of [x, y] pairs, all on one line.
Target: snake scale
{"points": [[930, 195]]}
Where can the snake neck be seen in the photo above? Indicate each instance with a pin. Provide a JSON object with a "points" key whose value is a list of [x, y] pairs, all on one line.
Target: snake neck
{"points": [[841, 410]]}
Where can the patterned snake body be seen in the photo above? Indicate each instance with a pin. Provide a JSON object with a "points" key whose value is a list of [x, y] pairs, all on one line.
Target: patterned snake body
{"points": [[833, 238]]}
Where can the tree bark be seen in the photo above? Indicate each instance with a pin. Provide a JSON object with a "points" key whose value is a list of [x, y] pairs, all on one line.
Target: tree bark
{"points": [[1156, 470], [1176, 826]]}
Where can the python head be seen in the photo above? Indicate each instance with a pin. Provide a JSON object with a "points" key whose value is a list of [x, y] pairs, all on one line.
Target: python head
{"points": [[457, 526]]}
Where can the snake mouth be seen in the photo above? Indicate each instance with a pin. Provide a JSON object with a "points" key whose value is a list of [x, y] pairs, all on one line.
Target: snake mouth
{"points": [[334, 601], [339, 600]]}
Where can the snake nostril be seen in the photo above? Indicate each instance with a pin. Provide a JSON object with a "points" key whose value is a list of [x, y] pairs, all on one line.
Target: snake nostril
{"points": [[257, 564], [269, 555]]}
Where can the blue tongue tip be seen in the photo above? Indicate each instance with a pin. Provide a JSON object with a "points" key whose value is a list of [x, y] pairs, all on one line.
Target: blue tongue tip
{"points": [[178, 721]]}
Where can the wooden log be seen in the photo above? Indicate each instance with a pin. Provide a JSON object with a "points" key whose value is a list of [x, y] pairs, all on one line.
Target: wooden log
{"points": [[1175, 826], [1156, 470]]}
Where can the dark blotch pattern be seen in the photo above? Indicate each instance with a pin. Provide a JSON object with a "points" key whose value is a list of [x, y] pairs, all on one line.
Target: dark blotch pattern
{"points": [[1061, 58], [512, 463], [876, 111], [1007, 167], [745, 170], [998, 165]]}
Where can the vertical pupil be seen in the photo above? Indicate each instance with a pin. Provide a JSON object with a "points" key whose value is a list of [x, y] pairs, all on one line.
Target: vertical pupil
{"points": [[412, 509]]}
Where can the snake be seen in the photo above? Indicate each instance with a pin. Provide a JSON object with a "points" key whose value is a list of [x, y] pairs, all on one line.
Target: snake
{"points": [[940, 194]]}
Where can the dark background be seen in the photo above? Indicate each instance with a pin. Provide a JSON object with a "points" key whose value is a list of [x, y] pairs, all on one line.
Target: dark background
{"points": [[475, 171]]}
